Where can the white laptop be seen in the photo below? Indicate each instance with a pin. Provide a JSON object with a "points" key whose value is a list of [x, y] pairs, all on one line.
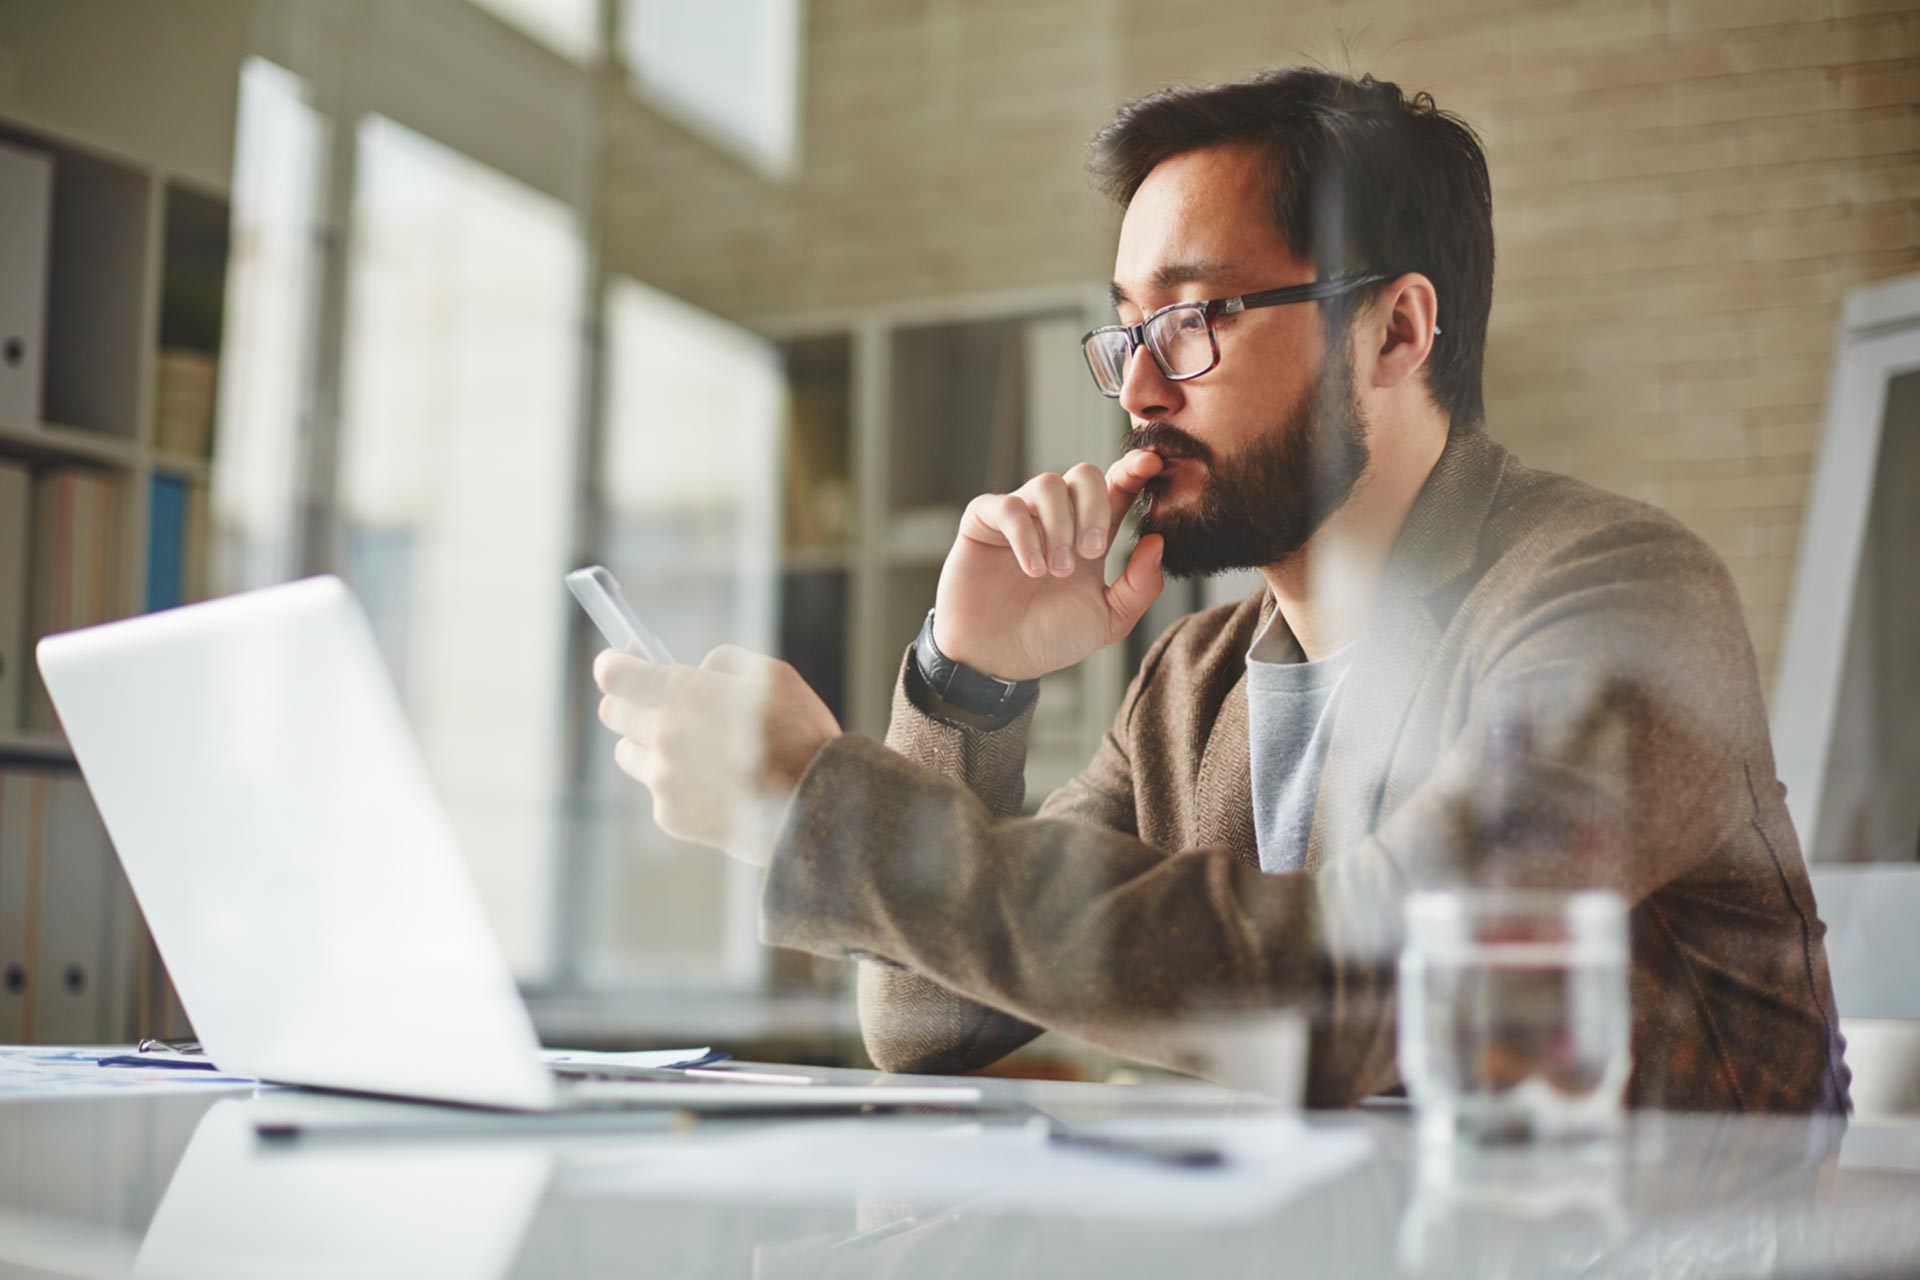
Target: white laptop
{"points": [[258, 778]]}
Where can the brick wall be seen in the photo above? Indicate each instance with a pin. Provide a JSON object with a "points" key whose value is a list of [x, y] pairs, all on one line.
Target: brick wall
{"points": [[1684, 190]]}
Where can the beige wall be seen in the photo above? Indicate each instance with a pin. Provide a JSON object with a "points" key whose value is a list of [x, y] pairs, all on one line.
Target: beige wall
{"points": [[156, 83], [1684, 190]]}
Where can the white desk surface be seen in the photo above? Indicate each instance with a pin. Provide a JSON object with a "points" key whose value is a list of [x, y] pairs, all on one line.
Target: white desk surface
{"points": [[177, 1183]]}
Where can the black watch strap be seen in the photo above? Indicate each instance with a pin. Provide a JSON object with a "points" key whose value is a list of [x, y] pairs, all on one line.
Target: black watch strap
{"points": [[959, 685]]}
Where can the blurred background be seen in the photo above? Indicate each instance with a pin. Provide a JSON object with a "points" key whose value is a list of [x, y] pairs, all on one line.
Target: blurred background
{"points": [[746, 298]]}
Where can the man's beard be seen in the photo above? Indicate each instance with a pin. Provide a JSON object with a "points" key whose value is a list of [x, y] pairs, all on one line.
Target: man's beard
{"points": [[1268, 500]]}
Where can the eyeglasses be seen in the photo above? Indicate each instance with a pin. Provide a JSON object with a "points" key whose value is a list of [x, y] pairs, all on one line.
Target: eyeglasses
{"points": [[1181, 338]]}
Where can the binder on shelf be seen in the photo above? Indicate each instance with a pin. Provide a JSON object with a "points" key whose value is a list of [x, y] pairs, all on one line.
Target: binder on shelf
{"points": [[124, 939], [166, 543], [76, 989], [176, 543], [157, 1009], [76, 961], [183, 402], [75, 548], [818, 502], [26, 212], [22, 819], [16, 511]]}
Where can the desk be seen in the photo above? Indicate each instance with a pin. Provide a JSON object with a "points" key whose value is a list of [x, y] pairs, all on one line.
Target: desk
{"points": [[176, 1184]]}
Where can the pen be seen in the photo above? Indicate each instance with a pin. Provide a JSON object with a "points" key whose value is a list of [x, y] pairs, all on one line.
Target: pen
{"points": [[464, 1126], [615, 1071], [752, 1077], [1183, 1155]]}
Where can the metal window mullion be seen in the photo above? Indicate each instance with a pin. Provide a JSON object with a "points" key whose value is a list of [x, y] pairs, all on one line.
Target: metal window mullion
{"points": [[319, 546], [579, 864]]}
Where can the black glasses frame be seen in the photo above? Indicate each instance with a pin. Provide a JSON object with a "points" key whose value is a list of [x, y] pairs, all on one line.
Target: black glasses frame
{"points": [[1211, 309]]}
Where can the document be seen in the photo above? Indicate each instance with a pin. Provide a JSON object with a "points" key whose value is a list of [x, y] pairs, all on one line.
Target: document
{"points": [[73, 1072], [1268, 1160]]}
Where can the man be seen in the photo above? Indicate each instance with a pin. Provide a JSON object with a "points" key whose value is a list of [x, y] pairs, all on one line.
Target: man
{"points": [[1458, 670]]}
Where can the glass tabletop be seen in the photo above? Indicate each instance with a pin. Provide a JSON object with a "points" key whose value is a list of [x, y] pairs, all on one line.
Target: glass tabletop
{"points": [[182, 1183]]}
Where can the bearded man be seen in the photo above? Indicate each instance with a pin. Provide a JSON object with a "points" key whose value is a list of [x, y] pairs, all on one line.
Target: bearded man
{"points": [[1457, 670]]}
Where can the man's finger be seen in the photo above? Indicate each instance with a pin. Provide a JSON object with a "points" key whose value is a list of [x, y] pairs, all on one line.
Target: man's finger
{"points": [[634, 760], [1088, 485], [734, 660], [1004, 519], [990, 521], [1052, 505], [1136, 588], [627, 675], [1126, 478], [629, 719]]}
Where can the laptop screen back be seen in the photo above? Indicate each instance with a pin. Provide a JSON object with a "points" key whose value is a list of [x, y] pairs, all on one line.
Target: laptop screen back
{"points": [[257, 775]]}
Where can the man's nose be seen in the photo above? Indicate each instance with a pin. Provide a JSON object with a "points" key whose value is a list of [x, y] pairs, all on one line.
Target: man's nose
{"points": [[1147, 392]]}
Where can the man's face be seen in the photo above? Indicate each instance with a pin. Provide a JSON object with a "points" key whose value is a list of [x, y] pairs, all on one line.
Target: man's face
{"points": [[1265, 446]]}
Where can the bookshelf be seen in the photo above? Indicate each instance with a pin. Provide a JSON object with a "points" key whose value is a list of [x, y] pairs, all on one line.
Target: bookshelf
{"points": [[135, 271], [898, 417], [35, 748], [911, 410], [134, 260]]}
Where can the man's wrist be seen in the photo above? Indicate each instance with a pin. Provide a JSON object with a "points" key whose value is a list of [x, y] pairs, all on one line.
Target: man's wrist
{"points": [[954, 691]]}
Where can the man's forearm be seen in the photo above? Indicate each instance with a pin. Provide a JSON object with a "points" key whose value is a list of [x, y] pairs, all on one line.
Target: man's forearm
{"points": [[990, 762], [1065, 924], [908, 1021]]}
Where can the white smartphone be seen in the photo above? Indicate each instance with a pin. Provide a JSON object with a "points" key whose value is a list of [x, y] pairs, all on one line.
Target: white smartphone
{"points": [[599, 594]]}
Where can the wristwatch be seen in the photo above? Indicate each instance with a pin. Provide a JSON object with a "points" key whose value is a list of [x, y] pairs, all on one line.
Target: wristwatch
{"points": [[958, 685]]}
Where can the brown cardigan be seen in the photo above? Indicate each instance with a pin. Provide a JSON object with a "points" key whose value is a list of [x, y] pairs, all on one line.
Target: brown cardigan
{"points": [[1555, 686]]}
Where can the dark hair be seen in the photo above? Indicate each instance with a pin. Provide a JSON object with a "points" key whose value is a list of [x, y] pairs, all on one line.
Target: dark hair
{"points": [[1364, 178]]}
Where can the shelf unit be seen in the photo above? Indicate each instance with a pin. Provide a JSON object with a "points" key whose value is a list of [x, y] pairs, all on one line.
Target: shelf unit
{"points": [[136, 260], [922, 406], [34, 748], [115, 220]]}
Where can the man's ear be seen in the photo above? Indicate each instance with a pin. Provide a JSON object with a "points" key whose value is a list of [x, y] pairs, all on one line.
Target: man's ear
{"points": [[1405, 316]]}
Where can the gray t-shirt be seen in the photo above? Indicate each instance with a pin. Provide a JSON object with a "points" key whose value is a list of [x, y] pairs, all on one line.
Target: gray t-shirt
{"points": [[1290, 710]]}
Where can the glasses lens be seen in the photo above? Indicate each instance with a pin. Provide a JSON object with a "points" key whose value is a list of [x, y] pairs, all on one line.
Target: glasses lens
{"points": [[1107, 352], [1181, 341]]}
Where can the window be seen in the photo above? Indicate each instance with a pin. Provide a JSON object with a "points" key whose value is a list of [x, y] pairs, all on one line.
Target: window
{"points": [[568, 27], [414, 254], [456, 482], [694, 412], [279, 160], [729, 69]]}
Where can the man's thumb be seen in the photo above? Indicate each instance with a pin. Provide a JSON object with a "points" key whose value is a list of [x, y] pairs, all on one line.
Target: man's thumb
{"points": [[1136, 588]]}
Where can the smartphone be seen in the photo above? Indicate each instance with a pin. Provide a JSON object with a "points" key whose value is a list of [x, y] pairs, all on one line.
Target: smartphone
{"points": [[599, 594]]}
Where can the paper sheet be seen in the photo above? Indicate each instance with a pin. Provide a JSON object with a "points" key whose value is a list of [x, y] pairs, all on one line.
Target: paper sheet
{"points": [[72, 1070], [75, 1071], [1269, 1159]]}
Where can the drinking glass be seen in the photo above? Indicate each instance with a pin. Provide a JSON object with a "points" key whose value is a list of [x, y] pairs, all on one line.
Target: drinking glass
{"points": [[1514, 1014]]}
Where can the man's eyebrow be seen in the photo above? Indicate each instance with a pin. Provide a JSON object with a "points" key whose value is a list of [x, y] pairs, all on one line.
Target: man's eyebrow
{"points": [[1171, 275]]}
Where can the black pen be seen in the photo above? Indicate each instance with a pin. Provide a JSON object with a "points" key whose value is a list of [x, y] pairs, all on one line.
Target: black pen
{"points": [[1182, 1155]]}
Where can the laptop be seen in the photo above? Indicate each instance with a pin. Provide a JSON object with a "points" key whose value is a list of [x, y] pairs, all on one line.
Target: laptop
{"points": [[254, 768]]}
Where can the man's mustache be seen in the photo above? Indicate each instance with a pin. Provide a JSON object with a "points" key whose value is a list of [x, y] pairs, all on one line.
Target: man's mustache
{"points": [[1169, 442]]}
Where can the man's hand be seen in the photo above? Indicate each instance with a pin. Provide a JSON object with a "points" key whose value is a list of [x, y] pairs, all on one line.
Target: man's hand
{"points": [[721, 746], [1024, 590]]}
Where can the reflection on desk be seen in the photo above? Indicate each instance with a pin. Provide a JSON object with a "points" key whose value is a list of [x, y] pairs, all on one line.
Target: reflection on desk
{"points": [[175, 1184], [239, 1207]]}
